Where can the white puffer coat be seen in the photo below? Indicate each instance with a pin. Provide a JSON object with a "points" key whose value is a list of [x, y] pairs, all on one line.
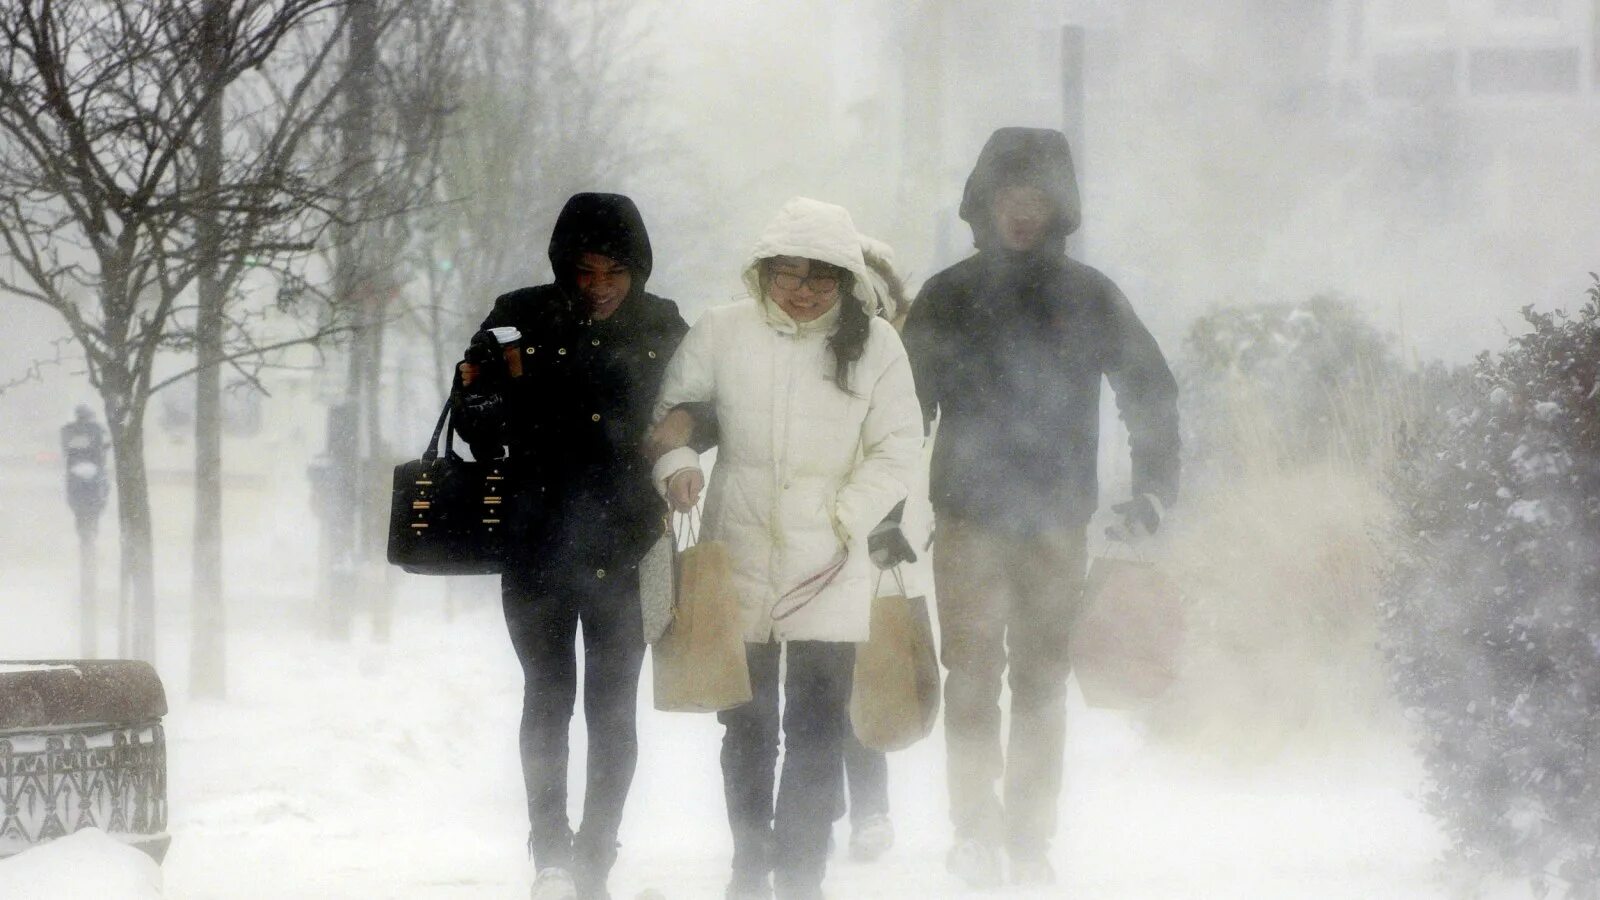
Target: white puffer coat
{"points": [[802, 467]]}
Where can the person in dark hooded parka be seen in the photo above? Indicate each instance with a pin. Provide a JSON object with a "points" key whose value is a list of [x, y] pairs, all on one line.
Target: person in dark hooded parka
{"points": [[593, 348], [1007, 349]]}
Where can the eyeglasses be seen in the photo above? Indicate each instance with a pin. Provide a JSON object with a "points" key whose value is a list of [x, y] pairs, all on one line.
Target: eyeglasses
{"points": [[818, 284]]}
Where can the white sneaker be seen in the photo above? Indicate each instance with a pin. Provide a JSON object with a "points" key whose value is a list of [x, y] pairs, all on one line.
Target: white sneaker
{"points": [[871, 839], [554, 883], [1032, 871], [976, 863]]}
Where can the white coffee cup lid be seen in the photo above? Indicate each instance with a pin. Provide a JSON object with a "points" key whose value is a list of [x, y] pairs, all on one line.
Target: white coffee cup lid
{"points": [[506, 334]]}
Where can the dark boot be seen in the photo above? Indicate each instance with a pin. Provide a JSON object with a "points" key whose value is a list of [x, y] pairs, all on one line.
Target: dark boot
{"points": [[745, 886], [591, 866]]}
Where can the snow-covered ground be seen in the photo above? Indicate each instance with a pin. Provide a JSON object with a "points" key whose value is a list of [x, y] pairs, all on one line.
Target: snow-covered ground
{"points": [[86, 864], [369, 770]]}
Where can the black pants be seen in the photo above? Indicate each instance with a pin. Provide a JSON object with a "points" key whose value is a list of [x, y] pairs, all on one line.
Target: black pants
{"points": [[543, 613], [788, 837], [867, 773]]}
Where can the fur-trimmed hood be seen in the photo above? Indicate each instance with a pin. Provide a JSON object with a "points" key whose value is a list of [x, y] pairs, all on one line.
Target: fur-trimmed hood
{"points": [[812, 229]]}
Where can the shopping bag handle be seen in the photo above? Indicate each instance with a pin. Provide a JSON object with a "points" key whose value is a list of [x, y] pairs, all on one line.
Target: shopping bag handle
{"points": [[684, 528], [899, 581], [1132, 551]]}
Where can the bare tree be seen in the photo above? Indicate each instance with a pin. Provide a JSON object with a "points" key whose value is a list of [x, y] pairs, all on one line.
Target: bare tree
{"points": [[402, 65], [267, 190], [556, 93], [105, 216], [545, 89]]}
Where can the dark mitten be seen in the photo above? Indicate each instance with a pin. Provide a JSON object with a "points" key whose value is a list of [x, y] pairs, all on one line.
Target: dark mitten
{"points": [[886, 543], [1136, 518]]}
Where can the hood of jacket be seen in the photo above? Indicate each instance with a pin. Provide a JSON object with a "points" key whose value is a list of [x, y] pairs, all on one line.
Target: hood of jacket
{"points": [[607, 224], [812, 229], [1038, 157], [885, 280]]}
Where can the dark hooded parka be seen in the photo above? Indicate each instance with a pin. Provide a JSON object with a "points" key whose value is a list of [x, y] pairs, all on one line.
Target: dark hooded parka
{"points": [[1008, 348], [575, 420]]}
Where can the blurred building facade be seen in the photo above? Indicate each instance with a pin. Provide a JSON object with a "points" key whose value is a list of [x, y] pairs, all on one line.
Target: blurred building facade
{"points": [[1467, 51]]}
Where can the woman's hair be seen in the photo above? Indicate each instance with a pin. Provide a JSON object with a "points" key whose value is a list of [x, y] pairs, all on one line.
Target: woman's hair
{"points": [[849, 339]]}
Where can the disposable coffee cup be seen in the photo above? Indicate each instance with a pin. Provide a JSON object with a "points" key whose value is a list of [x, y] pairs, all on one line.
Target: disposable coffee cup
{"points": [[510, 340]]}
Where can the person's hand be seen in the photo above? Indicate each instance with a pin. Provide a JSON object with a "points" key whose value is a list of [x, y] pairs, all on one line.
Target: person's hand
{"points": [[483, 354], [683, 489], [672, 432], [1136, 519], [887, 545]]}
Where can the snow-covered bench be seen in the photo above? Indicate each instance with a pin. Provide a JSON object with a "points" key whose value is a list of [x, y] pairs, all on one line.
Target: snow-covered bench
{"points": [[81, 746]]}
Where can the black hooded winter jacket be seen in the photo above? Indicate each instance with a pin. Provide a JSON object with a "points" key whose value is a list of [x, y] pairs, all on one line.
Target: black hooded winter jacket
{"points": [[1008, 349], [574, 422]]}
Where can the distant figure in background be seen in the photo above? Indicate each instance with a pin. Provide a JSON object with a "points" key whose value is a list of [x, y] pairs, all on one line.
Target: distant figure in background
{"points": [[1008, 348], [83, 448]]}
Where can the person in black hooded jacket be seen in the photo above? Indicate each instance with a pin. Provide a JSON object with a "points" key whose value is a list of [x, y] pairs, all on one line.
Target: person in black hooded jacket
{"points": [[1007, 349], [593, 348]]}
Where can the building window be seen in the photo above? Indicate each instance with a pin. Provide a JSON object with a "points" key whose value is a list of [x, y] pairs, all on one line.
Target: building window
{"points": [[1408, 15], [1520, 70], [1417, 75], [1529, 9]]}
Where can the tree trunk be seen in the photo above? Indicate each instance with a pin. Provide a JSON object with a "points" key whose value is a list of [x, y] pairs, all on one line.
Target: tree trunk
{"points": [[126, 426], [352, 286], [375, 479], [208, 636]]}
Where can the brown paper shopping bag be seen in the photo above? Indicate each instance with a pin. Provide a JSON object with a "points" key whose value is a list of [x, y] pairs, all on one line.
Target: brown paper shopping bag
{"points": [[699, 663], [895, 698], [1127, 639]]}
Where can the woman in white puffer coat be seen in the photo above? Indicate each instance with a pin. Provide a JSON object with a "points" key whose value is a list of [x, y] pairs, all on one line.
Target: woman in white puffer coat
{"points": [[820, 436]]}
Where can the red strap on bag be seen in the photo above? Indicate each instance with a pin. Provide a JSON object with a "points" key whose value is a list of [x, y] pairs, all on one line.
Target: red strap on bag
{"points": [[799, 596]]}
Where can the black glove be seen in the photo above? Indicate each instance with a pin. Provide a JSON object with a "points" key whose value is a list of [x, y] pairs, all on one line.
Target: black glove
{"points": [[887, 546], [484, 352], [478, 409], [1137, 518]]}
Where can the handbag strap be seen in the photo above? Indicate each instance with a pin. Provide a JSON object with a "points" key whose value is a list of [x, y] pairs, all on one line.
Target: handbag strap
{"points": [[432, 453], [439, 427]]}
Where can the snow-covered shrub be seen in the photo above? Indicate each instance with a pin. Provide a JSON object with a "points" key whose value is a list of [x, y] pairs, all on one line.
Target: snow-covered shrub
{"points": [[1492, 604], [1286, 409], [1273, 386]]}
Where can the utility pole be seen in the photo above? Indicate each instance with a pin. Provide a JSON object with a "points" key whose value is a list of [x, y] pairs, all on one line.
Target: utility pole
{"points": [[207, 648]]}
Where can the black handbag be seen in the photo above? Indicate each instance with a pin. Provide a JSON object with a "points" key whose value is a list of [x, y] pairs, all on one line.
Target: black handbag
{"points": [[448, 516]]}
